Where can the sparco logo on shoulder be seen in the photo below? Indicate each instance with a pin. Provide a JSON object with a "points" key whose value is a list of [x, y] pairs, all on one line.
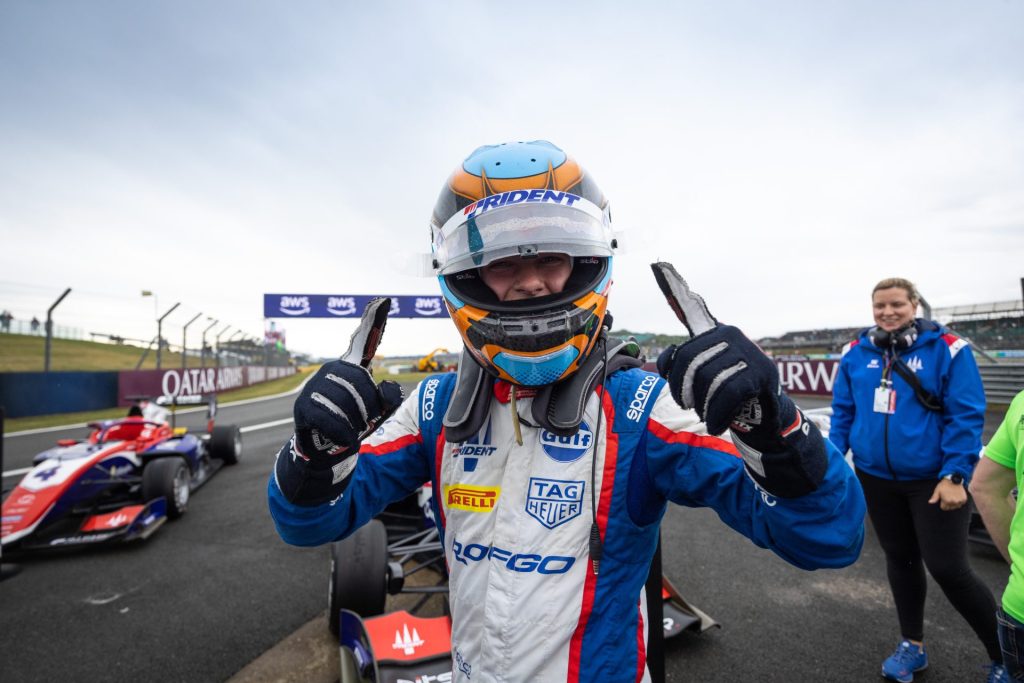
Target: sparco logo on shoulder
{"points": [[427, 400], [641, 397]]}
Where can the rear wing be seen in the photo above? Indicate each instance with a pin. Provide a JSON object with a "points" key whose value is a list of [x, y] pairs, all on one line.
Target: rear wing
{"points": [[161, 403]]}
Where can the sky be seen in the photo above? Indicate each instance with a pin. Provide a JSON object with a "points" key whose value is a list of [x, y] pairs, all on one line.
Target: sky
{"points": [[785, 156]]}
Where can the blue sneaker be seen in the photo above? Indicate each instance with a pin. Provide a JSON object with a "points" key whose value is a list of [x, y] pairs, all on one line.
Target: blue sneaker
{"points": [[907, 659], [997, 673]]}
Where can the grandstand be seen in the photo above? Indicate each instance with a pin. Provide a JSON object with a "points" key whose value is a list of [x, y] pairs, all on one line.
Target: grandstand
{"points": [[810, 341], [998, 325], [990, 327]]}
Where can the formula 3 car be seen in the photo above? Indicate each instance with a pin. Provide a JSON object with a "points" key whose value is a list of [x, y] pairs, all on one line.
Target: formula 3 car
{"points": [[121, 483]]}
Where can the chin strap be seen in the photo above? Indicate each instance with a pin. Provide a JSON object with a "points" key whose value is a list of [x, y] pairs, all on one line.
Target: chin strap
{"points": [[557, 408]]}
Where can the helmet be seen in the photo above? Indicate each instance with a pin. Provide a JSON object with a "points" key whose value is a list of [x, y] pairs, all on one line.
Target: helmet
{"points": [[523, 199]]}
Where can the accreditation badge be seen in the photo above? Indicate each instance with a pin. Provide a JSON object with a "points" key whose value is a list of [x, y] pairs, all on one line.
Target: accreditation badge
{"points": [[885, 400]]}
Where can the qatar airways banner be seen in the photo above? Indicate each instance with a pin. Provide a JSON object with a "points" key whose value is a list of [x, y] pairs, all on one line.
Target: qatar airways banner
{"points": [[349, 306], [814, 377], [193, 381]]}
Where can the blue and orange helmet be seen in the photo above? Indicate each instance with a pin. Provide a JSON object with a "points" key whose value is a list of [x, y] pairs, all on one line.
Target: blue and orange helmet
{"points": [[524, 199]]}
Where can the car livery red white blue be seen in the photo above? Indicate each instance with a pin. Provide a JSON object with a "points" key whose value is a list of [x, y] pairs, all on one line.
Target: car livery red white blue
{"points": [[121, 483]]}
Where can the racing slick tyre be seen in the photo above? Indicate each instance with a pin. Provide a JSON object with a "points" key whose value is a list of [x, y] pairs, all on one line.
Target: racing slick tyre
{"points": [[359, 567], [226, 444], [168, 477]]}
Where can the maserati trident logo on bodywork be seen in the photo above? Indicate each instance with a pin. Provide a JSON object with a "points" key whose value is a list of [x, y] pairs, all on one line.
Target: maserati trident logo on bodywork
{"points": [[405, 641], [553, 502], [116, 521]]}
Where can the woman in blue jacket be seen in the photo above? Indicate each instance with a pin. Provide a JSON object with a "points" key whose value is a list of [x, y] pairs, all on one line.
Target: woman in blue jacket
{"points": [[908, 402]]}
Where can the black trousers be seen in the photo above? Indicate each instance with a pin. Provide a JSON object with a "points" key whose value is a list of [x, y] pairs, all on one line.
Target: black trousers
{"points": [[916, 534]]}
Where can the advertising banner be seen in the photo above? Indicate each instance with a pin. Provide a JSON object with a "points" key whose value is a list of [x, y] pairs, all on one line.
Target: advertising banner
{"points": [[193, 381], [349, 306], [808, 376]]}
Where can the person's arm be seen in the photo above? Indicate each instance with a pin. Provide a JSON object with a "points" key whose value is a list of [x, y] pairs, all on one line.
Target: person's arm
{"points": [[390, 465], [339, 407], [821, 528], [963, 418], [991, 487], [843, 408], [812, 507], [963, 414]]}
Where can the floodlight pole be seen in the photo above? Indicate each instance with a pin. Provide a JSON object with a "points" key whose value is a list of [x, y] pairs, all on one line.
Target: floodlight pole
{"points": [[159, 333], [232, 337], [184, 333], [202, 351], [49, 329], [266, 349], [217, 339]]}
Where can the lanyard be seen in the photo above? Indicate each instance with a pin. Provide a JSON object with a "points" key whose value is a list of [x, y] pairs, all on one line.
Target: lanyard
{"points": [[889, 357]]}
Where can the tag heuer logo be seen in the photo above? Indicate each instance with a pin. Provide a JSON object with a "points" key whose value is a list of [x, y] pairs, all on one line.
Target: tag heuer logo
{"points": [[553, 502]]}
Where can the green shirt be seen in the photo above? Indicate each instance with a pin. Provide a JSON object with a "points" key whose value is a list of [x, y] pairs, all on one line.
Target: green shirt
{"points": [[1007, 448]]}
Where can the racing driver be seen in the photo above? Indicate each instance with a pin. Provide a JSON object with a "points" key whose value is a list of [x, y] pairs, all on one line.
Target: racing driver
{"points": [[552, 454]]}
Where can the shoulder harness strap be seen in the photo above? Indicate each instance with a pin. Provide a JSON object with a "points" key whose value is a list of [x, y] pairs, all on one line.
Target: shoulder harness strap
{"points": [[470, 401]]}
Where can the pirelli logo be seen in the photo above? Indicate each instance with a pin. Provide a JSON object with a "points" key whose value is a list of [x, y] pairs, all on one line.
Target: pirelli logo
{"points": [[471, 498]]}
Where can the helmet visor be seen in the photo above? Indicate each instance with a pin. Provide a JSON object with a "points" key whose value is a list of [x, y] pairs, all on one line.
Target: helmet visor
{"points": [[521, 223]]}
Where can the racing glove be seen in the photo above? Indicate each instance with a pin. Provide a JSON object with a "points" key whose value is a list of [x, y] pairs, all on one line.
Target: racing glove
{"points": [[338, 407], [733, 385]]}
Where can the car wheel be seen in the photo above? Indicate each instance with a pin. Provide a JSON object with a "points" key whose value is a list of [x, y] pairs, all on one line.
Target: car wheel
{"points": [[359, 566], [226, 444], [168, 477]]}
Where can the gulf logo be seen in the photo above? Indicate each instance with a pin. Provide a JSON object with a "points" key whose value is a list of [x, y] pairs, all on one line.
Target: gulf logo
{"points": [[566, 449]]}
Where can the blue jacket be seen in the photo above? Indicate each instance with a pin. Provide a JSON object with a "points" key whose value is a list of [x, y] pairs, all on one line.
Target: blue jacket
{"points": [[913, 443]]}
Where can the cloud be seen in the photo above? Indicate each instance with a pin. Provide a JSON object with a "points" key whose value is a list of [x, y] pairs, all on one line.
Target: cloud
{"points": [[785, 157]]}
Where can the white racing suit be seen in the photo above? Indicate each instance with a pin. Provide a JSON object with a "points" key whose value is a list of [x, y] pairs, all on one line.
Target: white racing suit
{"points": [[515, 521]]}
